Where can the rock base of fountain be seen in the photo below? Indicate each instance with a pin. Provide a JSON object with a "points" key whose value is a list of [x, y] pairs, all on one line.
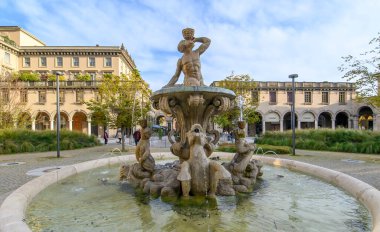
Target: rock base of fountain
{"points": [[163, 180]]}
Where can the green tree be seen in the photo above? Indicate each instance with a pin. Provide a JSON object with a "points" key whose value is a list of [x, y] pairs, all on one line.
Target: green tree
{"points": [[365, 72], [243, 85], [122, 101]]}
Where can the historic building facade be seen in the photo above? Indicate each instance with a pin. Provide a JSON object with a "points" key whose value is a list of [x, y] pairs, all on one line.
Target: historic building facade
{"points": [[20, 51], [317, 105]]}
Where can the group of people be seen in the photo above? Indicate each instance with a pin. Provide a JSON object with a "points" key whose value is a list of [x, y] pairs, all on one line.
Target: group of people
{"points": [[119, 134]]}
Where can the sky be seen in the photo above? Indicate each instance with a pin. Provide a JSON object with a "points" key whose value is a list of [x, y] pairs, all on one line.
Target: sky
{"points": [[266, 39]]}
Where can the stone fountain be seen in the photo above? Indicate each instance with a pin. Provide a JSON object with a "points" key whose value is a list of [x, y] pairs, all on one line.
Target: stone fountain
{"points": [[193, 140]]}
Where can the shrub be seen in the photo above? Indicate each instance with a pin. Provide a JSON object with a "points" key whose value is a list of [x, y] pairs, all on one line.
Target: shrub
{"points": [[27, 147], [28, 76], [22, 140], [276, 149], [341, 140], [42, 147], [10, 147], [52, 77], [81, 77]]}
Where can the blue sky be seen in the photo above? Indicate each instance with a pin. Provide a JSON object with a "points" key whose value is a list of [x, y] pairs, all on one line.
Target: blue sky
{"points": [[267, 39]]}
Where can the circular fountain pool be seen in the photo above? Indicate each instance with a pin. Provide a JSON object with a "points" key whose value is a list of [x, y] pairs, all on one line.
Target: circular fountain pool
{"points": [[283, 201]]}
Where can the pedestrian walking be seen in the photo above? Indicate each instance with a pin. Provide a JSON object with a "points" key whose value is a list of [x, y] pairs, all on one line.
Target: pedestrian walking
{"points": [[105, 136], [137, 136]]}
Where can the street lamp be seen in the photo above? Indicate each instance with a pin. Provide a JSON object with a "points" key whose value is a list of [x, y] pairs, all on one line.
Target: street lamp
{"points": [[293, 116], [57, 74], [240, 104]]}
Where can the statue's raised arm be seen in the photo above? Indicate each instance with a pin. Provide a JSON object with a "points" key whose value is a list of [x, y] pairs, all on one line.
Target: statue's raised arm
{"points": [[205, 44], [190, 63]]}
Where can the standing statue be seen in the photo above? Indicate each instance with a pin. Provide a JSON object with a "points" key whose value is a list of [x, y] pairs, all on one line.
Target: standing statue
{"points": [[190, 63], [143, 155]]}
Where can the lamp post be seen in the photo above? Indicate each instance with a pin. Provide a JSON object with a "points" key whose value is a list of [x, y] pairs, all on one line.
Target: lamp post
{"points": [[57, 74], [293, 116], [240, 103]]}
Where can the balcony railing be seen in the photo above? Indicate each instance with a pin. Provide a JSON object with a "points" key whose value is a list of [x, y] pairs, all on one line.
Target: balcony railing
{"points": [[68, 84]]}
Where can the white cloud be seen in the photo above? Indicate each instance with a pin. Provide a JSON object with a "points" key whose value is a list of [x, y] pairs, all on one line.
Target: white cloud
{"points": [[267, 39]]}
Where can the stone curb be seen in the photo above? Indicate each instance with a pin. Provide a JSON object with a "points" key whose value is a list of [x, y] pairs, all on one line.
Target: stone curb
{"points": [[12, 211], [363, 192]]}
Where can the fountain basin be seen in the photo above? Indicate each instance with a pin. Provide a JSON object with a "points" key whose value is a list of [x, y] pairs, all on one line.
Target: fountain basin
{"points": [[13, 208]]}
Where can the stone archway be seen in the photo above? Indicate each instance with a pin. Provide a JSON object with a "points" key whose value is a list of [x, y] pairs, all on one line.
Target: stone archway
{"points": [[325, 120], [64, 121], [341, 120], [288, 121], [80, 122], [42, 121], [272, 121], [308, 121], [365, 119]]}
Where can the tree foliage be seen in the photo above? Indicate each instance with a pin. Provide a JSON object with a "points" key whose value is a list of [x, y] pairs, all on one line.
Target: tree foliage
{"points": [[365, 72], [12, 110], [242, 85], [121, 102]]}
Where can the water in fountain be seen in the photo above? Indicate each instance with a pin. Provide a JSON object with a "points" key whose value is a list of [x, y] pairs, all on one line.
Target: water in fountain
{"points": [[295, 202]]}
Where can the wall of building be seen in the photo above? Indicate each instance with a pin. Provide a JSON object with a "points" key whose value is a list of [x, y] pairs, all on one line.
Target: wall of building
{"points": [[74, 113], [8, 51], [338, 111]]}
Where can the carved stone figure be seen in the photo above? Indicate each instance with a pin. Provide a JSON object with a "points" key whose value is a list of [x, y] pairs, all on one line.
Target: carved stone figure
{"points": [[163, 182], [244, 170], [200, 175], [244, 150], [142, 152], [190, 63]]}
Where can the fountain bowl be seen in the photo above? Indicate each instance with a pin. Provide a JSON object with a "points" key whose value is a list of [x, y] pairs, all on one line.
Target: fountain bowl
{"points": [[12, 210]]}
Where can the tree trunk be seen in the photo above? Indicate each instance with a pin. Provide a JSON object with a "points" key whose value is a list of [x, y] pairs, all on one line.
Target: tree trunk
{"points": [[122, 138]]}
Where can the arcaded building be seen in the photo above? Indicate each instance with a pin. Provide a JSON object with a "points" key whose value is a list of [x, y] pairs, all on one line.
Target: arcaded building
{"points": [[317, 105], [21, 51]]}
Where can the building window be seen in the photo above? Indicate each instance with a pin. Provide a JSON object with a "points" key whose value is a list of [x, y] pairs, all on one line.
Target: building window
{"points": [[26, 61], [79, 96], [92, 75], [24, 96], [91, 61], [61, 96], [5, 96], [272, 97], [307, 98], [255, 96], [7, 58], [42, 96], [75, 61], [289, 97], [325, 98], [108, 62], [43, 61], [342, 98], [59, 61]]}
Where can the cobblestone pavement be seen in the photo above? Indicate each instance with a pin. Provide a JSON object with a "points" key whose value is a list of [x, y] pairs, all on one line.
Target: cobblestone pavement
{"points": [[363, 167]]}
